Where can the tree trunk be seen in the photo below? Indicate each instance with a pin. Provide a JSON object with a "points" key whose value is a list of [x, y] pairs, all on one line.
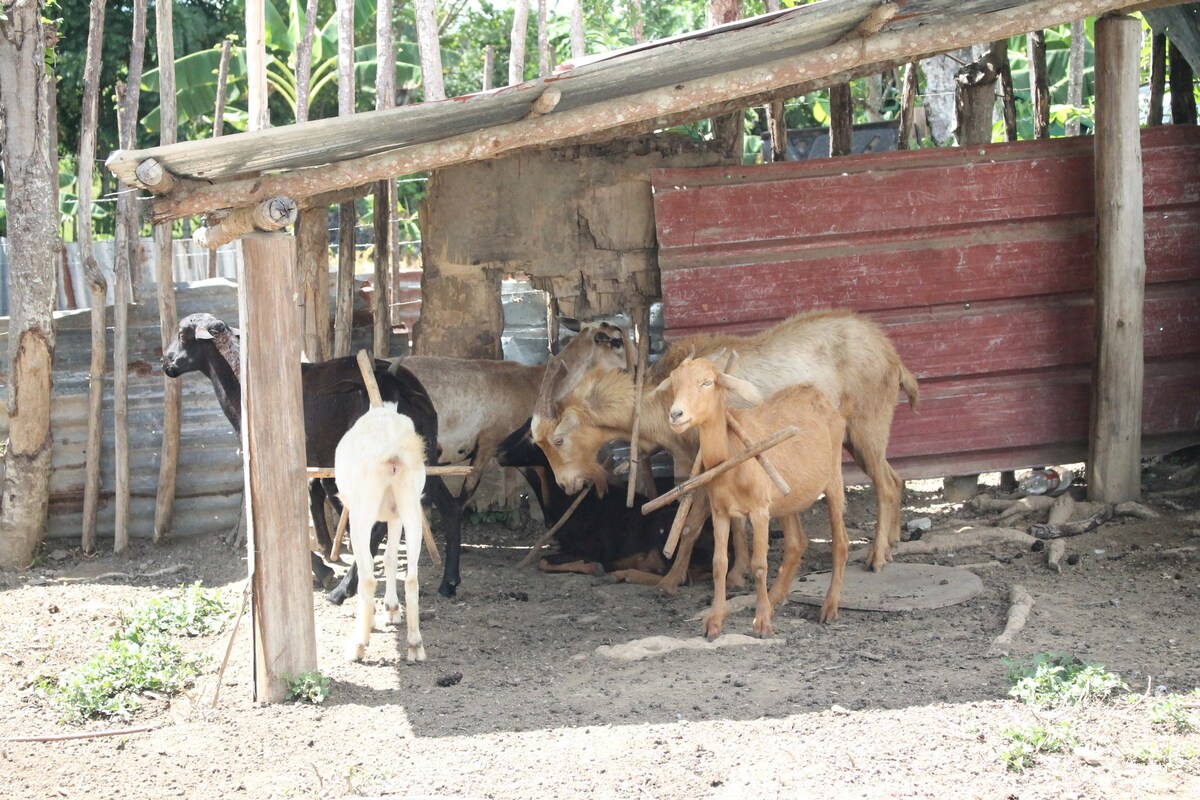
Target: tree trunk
{"points": [[941, 91], [219, 125], [1075, 76], [431, 50], [638, 27], [343, 321], [908, 104], [976, 101], [1039, 90], [168, 462], [128, 253], [1158, 78], [841, 120], [97, 284], [29, 178], [578, 40], [516, 48], [489, 66], [1183, 97], [727, 130], [776, 118], [1007, 101], [256, 65], [385, 97], [304, 61], [543, 34]]}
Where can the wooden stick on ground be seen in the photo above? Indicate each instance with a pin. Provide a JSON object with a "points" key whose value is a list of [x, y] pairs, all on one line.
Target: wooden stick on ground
{"points": [[534, 551], [643, 338], [1072, 528], [1054, 554], [1020, 604], [685, 508], [246, 588], [692, 484], [62, 737]]}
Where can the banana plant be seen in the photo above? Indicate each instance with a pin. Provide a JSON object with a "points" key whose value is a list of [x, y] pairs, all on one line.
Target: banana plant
{"points": [[196, 73]]}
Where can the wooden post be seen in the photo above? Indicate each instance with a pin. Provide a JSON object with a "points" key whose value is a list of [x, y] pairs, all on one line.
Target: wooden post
{"points": [[385, 190], [304, 60], [256, 65], [543, 37], [164, 507], [219, 123], [312, 255], [976, 84], [489, 66], [1183, 98], [1038, 88], [1158, 78], [97, 284], [125, 244], [272, 422], [1075, 75], [642, 330], [578, 42], [727, 129], [430, 50], [1114, 448], [343, 321], [516, 43], [1007, 100]]}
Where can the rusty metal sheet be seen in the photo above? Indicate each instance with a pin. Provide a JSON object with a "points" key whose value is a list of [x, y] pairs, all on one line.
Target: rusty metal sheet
{"points": [[977, 262]]}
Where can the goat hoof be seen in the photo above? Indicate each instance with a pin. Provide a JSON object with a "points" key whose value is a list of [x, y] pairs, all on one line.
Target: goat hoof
{"points": [[447, 590], [394, 614], [763, 629], [336, 598], [416, 653], [712, 628], [828, 615], [355, 651]]}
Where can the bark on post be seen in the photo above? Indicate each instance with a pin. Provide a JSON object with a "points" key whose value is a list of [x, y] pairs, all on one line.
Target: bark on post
{"points": [[1114, 449], [727, 129], [578, 41], [516, 47], [219, 123], [543, 34], [29, 178], [489, 66], [1183, 97], [841, 120], [272, 413], [126, 244], [1039, 89], [304, 61], [343, 321], [976, 101], [638, 28], [164, 507], [1075, 76], [97, 284], [908, 103], [776, 121], [312, 251], [431, 50]]}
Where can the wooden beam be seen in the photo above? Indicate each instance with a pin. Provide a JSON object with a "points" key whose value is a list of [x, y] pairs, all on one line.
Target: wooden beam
{"points": [[1114, 450], [641, 111], [268, 216], [283, 630]]}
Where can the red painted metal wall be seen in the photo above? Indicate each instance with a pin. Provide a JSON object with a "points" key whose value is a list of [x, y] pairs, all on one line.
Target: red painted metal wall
{"points": [[979, 264]]}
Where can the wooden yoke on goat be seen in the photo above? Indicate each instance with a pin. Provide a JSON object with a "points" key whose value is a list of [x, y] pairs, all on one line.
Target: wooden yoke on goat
{"points": [[810, 463]]}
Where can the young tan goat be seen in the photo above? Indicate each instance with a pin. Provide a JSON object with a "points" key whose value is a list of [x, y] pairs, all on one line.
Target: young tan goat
{"points": [[810, 463]]}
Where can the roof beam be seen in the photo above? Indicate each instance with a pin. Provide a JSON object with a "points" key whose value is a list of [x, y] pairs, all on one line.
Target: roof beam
{"points": [[897, 41]]}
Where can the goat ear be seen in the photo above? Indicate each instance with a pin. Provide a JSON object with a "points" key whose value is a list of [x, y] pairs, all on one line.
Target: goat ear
{"points": [[236, 332], [743, 389], [568, 424], [201, 332], [664, 386], [570, 323]]}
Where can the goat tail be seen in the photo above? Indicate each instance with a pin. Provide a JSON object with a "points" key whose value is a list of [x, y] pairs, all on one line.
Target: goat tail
{"points": [[908, 382]]}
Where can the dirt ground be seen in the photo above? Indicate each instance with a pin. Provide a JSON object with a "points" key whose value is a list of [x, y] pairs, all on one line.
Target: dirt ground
{"points": [[880, 705]]}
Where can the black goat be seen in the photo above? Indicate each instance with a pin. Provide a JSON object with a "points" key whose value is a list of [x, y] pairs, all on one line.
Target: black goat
{"points": [[602, 531], [334, 397]]}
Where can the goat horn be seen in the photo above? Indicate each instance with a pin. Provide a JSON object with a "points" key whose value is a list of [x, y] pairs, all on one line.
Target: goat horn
{"points": [[546, 405]]}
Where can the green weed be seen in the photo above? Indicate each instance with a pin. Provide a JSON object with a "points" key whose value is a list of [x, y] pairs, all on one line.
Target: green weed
{"points": [[1038, 739], [310, 687], [1054, 679], [197, 611], [1174, 710], [1160, 754]]}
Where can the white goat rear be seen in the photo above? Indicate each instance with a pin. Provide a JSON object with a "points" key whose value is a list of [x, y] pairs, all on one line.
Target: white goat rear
{"points": [[380, 467]]}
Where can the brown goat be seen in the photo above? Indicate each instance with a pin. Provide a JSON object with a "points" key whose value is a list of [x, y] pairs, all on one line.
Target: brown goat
{"points": [[810, 463], [841, 354]]}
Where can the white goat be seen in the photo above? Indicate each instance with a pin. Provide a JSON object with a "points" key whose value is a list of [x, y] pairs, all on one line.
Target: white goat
{"points": [[810, 463], [380, 467]]}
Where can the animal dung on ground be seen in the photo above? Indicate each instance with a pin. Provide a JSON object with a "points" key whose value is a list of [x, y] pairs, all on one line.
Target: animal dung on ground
{"points": [[449, 680], [900, 587]]}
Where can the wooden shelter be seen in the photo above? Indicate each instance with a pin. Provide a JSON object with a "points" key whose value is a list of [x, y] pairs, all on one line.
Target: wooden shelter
{"points": [[621, 96]]}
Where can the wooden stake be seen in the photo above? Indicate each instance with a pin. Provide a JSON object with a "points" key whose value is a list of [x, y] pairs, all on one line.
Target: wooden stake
{"points": [[532, 555], [692, 484], [1036, 47], [685, 507], [642, 332], [908, 102], [1020, 604], [219, 122], [767, 466]]}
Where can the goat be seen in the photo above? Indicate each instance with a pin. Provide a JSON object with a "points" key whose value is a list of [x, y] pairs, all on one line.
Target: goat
{"points": [[810, 463], [334, 398], [380, 468], [841, 354], [479, 402]]}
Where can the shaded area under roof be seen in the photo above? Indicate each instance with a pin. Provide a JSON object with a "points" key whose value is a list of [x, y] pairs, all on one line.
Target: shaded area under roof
{"points": [[607, 96]]}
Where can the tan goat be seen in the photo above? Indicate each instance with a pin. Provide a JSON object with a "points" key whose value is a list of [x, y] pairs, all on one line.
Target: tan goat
{"points": [[841, 354], [810, 463]]}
